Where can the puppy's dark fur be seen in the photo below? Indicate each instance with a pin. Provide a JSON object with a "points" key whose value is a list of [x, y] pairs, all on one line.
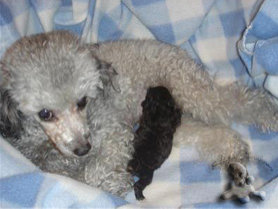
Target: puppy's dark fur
{"points": [[153, 140]]}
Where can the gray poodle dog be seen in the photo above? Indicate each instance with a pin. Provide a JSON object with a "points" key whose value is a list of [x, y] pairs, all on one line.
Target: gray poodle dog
{"points": [[85, 98]]}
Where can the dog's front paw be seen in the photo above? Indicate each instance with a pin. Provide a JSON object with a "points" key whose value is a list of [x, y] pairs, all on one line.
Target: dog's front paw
{"points": [[259, 195], [250, 180], [244, 200], [238, 174]]}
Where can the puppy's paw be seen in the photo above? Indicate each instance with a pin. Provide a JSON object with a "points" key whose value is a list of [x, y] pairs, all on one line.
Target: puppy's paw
{"points": [[138, 192]]}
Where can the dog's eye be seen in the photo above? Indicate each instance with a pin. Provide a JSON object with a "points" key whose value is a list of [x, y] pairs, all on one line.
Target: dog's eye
{"points": [[46, 115], [82, 103]]}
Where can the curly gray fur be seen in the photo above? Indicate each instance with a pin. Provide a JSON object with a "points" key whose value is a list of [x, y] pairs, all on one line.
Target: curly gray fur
{"points": [[54, 70]]}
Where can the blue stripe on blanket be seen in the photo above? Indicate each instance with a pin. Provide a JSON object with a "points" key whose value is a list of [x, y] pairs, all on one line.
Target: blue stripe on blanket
{"points": [[267, 55], [268, 173], [233, 22], [222, 205], [269, 29], [145, 2], [164, 33], [64, 20], [152, 13], [109, 29], [6, 15], [198, 172], [255, 134], [21, 189]]}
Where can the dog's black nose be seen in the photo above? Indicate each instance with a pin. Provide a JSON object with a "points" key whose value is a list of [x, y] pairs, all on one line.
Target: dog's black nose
{"points": [[80, 151]]}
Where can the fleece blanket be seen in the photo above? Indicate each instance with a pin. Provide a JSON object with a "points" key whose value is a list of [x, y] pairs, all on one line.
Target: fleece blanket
{"points": [[234, 40]]}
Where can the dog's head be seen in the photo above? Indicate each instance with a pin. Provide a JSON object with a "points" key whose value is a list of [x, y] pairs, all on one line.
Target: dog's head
{"points": [[51, 77]]}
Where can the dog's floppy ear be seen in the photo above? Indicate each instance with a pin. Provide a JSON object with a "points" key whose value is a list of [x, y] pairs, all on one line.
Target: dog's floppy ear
{"points": [[106, 70], [107, 76], [10, 117]]}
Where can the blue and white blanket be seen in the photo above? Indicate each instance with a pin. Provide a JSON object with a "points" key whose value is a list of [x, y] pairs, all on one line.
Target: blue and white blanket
{"points": [[234, 40]]}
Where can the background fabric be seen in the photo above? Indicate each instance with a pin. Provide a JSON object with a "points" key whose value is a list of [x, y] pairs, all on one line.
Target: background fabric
{"points": [[258, 47], [234, 40]]}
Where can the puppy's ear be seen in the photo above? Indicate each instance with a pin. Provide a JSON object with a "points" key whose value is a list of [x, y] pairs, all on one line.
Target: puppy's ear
{"points": [[10, 117], [107, 76]]}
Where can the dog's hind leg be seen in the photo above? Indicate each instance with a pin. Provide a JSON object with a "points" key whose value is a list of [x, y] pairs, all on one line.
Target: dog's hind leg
{"points": [[217, 145]]}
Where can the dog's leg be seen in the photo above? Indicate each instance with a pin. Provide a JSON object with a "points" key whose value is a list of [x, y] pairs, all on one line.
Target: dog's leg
{"points": [[217, 144], [141, 184], [107, 169], [108, 176]]}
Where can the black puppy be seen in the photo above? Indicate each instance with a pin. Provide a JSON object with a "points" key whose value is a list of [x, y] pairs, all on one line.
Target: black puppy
{"points": [[154, 137]]}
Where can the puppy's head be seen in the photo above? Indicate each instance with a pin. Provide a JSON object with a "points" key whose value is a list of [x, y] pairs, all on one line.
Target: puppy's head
{"points": [[159, 106], [51, 77]]}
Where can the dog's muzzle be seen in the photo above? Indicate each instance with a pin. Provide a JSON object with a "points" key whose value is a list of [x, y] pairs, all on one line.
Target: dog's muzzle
{"points": [[83, 150], [83, 146]]}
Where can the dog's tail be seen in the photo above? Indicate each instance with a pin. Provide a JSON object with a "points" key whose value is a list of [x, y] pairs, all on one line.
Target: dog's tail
{"points": [[249, 106], [195, 91], [216, 104]]}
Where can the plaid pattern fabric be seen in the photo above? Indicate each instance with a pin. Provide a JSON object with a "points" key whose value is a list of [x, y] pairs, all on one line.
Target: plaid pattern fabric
{"points": [[22, 185], [258, 47], [234, 40]]}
